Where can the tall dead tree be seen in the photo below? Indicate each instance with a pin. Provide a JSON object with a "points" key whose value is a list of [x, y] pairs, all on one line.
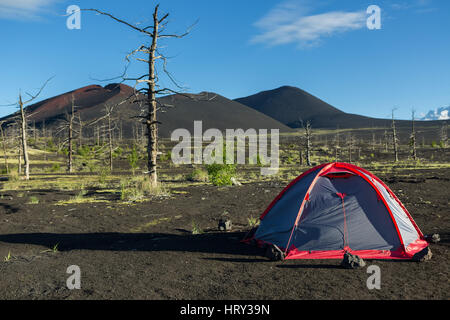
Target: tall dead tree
{"points": [[70, 138], [107, 124], [394, 137], [337, 146], [23, 131], [19, 159], [386, 141], [109, 128], [350, 145], [21, 118], [443, 136], [80, 131], [307, 137], [68, 127], [149, 54], [374, 140], [412, 138], [5, 154]]}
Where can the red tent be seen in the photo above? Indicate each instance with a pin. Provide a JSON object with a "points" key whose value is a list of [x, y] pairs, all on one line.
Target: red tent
{"points": [[337, 208]]}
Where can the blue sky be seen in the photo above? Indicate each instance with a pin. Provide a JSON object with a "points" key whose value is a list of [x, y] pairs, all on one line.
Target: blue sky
{"points": [[238, 48]]}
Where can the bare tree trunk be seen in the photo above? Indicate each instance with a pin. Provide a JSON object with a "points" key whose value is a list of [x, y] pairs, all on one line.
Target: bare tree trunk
{"points": [[413, 139], [373, 141], [121, 131], [337, 145], [19, 167], [80, 134], [24, 139], [44, 134], [4, 148], [71, 116], [350, 147], [443, 135], [308, 142], [98, 135], [152, 128], [386, 141], [394, 137], [110, 143]]}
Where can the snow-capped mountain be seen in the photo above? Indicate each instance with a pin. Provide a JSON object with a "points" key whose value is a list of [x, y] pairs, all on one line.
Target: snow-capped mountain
{"points": [[438, 114]]}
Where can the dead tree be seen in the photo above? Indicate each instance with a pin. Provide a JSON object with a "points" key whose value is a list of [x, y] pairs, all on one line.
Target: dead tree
{"points": [[337, 142], [5, 154], [70, 138], [44, 133], [19, 159], [23, 125], [111, 125], [80, 131], [394, 137], [443, 136], [374, 141], [307, 138], [21, 118], [108, 125], [412, 138], [149, 54], [68, 126], [386, 141], [350, 145]]}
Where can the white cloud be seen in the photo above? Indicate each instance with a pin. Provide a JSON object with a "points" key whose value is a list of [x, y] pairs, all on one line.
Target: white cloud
{"points": [[288, 23], [23, 9]]}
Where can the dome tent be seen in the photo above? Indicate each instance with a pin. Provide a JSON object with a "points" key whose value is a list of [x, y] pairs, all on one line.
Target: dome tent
{"points": [[337, 208]]}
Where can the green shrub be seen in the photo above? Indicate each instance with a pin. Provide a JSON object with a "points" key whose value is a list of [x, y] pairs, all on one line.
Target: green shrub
{"points": [[196, 228], [253, 222], [221, 174], [133, 159], [55, 167], [117, 152], [103, 175], [33, 200], [166, 156]]}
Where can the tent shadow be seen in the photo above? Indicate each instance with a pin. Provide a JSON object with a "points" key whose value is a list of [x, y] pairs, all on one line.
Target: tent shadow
{"points": [[239, 260], [309, 266], [219, 243]]}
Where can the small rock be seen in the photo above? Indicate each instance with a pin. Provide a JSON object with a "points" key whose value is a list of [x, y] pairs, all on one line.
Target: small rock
{"points": [[274, 253], [351, 261], [435, 238], [225, 225], [423, 255]]}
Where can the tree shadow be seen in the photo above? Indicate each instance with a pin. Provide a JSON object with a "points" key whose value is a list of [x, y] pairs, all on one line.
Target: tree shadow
{"points": [[220, 243]]}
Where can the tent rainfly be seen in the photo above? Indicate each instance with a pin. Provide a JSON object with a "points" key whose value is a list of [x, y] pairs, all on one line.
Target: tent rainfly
{"points": [[337, 208]]}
